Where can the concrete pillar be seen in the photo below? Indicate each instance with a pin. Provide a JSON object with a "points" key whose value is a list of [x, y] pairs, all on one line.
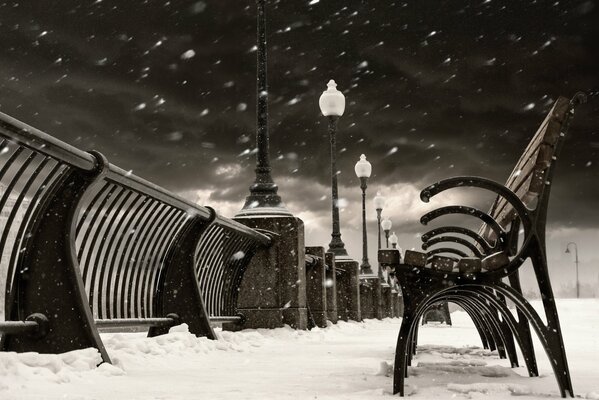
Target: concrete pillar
{"points": [[273, 289], [370, 287], [387, 301], [331, 287], [348, 290], [316, 290]]}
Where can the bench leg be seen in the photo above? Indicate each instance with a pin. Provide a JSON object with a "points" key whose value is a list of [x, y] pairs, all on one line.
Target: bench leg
{"points": [[523, 332]]}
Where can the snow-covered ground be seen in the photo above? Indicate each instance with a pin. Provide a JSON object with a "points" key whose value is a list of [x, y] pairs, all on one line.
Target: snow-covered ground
{"points": [[345, 361]]}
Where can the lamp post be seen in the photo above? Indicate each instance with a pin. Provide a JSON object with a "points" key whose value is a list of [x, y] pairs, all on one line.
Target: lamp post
{"points": [[576, 262], [332, 106], [386, 225], [379, 203], [393, 240], [263, 198], [363, 170]]}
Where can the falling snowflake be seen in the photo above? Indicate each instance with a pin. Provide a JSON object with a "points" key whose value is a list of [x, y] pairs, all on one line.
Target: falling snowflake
{"points": [[188, 54]]}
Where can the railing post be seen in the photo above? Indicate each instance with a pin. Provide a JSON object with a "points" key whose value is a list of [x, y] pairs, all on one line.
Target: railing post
{"points": [[389, 259], [370, 290], [348, 290], [316, 289], [178, 291], [48, 280]]}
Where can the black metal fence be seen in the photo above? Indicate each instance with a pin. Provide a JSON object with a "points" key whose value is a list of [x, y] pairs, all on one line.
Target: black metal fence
{"points": [[77, 229]]}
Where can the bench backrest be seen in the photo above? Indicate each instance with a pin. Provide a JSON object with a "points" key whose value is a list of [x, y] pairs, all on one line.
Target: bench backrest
{"points": [[530, 173]]}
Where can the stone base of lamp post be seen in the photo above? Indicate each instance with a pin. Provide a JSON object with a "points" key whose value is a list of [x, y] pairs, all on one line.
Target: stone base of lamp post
{"points": [[316, 289], [273, 290], [387, 301], [348, 290], [398, 305], [331, 287], [370, 289]]}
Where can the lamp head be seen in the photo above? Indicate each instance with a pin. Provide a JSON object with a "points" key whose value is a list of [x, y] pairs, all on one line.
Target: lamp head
{"points": [[567, 250], [363, 168], [386, 224], [393, 239], [379, 201], [332, 101]]}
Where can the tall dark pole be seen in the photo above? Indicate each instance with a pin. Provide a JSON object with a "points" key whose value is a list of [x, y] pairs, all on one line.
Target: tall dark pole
{"points": [[263, 198], [576, 263], [365, 268], [336, 246], [378, 219]]}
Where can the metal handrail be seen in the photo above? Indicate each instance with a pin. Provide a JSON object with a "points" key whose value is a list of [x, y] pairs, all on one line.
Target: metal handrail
{"points": [[30, 137], [33, 138]]}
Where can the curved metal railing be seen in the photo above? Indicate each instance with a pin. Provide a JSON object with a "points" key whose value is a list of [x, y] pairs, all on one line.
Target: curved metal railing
{"points": [[122, 234]]}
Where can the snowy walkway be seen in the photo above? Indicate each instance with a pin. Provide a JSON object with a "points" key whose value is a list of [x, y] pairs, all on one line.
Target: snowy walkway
{"points": [[347, 361]]}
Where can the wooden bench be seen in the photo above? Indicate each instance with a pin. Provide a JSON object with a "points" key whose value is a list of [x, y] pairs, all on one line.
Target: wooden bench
{"points": [[473, 277], [88, 246]]}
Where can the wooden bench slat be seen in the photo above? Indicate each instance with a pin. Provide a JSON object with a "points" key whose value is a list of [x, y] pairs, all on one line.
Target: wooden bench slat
{"points": [[527, 177]]}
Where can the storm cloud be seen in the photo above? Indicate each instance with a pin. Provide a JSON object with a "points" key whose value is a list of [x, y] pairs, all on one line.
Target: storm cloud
{"points": [[434, 89]]}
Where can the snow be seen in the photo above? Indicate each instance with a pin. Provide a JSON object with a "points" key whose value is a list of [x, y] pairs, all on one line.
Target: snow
{"points": [[349, 360]]}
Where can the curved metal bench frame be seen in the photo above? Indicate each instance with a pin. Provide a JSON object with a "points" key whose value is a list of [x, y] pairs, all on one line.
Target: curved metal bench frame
{"points": [[428, 287]]}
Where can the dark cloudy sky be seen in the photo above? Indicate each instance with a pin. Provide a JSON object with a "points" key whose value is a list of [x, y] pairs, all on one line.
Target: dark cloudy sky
{"points": [[433, 88]]}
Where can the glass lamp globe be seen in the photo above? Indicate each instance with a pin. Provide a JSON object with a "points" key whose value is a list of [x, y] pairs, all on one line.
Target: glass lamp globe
{"points": [[386, 224], [332, 101], [379, 201], [393, 239], [363, 168]]}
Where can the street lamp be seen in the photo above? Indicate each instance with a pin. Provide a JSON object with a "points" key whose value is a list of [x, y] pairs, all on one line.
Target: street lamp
{"points": [[263, 197], [363, 170], [393, 240], [332, 106], [575, 262], [386, 225], [379, 203]]}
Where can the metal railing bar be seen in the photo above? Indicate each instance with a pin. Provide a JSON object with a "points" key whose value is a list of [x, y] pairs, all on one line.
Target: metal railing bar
{"points": [[226, 318], [104, 247], [145, 254], [209, 260], [124, 268], [10, 161], [91, 207], [230, 248], [114, 248], [242, 229], [53, 175], [43, 143], [86, 249], [19, 201], [135, 183], [164, 244], [18, 327], [133, 259], [92, 211], [100, 233], [134, 322]]}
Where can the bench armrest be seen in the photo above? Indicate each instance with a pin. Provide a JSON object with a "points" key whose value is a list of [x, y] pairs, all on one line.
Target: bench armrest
{"points": [[478, 182]]}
